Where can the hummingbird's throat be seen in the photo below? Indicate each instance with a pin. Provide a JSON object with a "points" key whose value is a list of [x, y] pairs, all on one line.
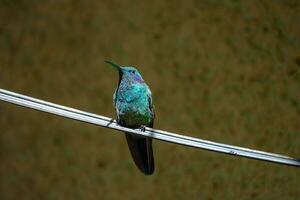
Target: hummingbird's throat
{"points": [[138, 79]]}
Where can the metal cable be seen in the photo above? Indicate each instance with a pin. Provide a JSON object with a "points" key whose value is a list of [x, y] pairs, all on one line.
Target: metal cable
{"points": [[103, 121]]}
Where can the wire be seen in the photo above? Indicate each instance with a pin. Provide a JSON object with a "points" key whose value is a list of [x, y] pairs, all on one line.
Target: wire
{"points": [[103, 121]]}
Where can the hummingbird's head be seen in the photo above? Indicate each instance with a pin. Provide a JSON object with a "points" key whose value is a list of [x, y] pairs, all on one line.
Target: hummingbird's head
{"points": [[129, 72]]}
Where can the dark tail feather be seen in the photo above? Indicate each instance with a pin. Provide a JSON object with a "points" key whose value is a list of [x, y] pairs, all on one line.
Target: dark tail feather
{"points": [[141, 151]]}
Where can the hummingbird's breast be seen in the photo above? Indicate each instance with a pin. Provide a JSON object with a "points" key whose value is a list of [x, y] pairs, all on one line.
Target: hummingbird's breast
{"points": [[132, 105]]}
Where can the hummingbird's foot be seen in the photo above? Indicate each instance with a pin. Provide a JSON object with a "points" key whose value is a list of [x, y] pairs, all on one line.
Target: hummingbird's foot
{"points": [[143, 128], [120, 122]]}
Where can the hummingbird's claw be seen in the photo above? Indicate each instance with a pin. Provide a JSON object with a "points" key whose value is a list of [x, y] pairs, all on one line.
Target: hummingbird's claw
{"points": [[143, 128]]}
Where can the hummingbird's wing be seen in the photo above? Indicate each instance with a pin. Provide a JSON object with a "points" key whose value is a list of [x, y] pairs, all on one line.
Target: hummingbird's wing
{"points": [[151, 108]]}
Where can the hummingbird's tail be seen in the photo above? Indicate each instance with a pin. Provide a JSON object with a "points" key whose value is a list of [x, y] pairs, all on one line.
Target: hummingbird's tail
{"points": [[141, 151]]}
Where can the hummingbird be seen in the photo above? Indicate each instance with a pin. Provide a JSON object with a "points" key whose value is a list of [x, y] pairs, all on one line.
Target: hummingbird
{"points": [[134, 107]]}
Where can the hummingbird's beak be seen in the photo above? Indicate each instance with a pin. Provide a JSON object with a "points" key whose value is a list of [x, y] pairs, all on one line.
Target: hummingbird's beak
{"points": [[114, 65]]}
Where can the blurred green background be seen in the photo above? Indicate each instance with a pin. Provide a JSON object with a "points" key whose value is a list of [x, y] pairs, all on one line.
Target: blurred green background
{"points": [[227, 71]]}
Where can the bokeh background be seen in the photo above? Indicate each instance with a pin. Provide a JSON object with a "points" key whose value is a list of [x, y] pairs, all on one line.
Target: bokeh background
{"points": [[227, 71]]}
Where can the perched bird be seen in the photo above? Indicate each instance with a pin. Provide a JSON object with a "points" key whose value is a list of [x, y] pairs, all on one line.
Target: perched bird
{"points": [[133, 103]]}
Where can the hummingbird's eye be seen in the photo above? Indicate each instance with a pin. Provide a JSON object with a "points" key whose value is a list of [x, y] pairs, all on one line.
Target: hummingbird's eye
{"points": [[133, 71]]}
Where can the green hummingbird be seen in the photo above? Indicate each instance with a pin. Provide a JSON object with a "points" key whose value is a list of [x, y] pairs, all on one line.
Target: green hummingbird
{"points": [[133, 103]]}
